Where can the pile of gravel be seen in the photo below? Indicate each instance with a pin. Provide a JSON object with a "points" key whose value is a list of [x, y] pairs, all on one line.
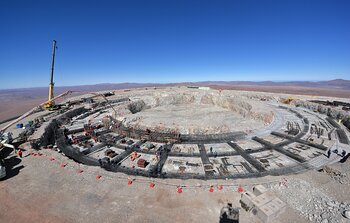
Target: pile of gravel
{"points": [[311, 202], [336, 175]]}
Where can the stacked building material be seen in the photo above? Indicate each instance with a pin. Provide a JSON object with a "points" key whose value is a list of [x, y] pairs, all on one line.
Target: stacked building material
{"points": [[265, 205], [142, 163]]}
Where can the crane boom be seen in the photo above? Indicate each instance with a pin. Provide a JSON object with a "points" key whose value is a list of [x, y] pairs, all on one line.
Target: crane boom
{"points": [[51, 103], [51, 75]]}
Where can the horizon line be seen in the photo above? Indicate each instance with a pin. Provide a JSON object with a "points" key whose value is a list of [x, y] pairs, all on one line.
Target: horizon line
{"points": [[165, 83]]}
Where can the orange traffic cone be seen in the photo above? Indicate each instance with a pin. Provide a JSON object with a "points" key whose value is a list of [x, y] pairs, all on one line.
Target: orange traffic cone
{"points": [[19, 153], [240, 189], [179, 190], [129, 181]]}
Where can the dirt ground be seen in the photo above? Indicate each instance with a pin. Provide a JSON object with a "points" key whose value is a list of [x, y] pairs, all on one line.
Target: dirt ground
{"points": [[14, 108], [41, 190]]}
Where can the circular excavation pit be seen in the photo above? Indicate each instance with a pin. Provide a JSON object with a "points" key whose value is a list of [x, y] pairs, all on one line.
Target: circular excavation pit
{"points": [[191, 119], [196, 113], [194, 133]]}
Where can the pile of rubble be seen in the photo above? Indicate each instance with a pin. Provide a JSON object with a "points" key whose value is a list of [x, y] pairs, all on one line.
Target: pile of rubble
{"points": [[311, 202], [335, 174]]}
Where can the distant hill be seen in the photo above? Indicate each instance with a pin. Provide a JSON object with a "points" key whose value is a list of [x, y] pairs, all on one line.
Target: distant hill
{"points": [[42, 92], [337, 83]]}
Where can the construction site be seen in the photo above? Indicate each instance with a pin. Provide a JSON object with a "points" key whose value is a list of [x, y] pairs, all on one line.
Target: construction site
{"points": [[174, 136], [177, 154]]}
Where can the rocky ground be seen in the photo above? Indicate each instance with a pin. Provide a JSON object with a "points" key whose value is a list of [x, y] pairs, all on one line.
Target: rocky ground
{"points": [[52, 188], [312, 202]]}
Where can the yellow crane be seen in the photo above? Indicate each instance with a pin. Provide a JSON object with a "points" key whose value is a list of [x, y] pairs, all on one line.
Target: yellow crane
{"points": [[51, 103]]}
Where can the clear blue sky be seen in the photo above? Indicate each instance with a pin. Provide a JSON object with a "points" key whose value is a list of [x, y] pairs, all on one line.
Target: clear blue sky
{"points": [[173, 41]]}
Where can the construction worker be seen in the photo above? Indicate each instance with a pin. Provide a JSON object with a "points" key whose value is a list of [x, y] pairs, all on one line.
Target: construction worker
{"points": [[133, 156], [329, 153], [19, 153]]}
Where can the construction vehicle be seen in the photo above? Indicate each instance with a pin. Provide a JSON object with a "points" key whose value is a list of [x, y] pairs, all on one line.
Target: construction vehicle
{"points": [[50, 104], [2, 169], [289, 100], [6, 140]]}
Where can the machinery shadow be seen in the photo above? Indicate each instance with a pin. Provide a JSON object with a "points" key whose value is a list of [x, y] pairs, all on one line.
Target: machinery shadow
{"points": [[11, 163], [5, 152], [228, 214], [225, 219]]}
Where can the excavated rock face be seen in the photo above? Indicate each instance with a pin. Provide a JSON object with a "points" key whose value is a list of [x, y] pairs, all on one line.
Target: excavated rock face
{"points": [[333, 112], [136, 106], [174, 99], [197, 112], [241, 107]]}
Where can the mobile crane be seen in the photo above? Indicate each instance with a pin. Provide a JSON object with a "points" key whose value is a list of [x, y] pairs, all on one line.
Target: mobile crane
{"points": [[50, 105]]}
